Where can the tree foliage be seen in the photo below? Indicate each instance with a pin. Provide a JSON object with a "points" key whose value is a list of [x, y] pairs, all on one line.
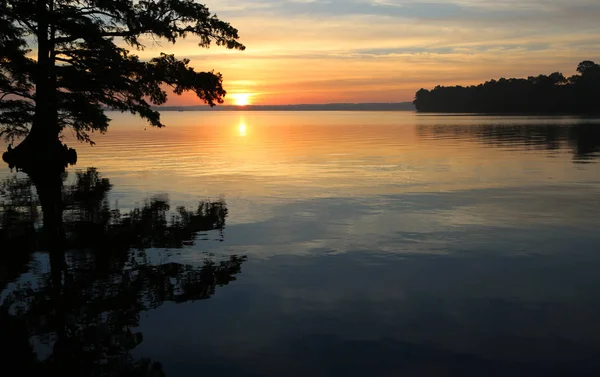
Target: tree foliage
{"points": [[86, 309], [552, 93], [84, 64]]}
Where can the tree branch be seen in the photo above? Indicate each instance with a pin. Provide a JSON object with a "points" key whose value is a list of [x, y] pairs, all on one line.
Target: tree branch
{"points": [[18, 94], [129, 33]]}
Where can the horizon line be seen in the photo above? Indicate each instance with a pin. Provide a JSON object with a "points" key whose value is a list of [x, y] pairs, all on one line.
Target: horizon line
{"points": [[305, 104]]}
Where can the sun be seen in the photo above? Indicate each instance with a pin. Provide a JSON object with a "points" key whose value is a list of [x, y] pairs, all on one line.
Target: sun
{"points": [[241, 99]]}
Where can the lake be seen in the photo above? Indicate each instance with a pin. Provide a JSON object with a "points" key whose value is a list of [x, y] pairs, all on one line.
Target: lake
{"points": [[312, 244]]}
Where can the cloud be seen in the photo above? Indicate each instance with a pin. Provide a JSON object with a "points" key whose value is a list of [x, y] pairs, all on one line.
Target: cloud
{"points": [[295, 45]]}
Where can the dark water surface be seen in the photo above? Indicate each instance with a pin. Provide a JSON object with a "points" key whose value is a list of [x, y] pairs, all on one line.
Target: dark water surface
{"points": [[309, 244]]}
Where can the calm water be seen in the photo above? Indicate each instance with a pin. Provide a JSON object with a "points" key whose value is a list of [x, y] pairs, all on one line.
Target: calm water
{"points": [[326, 244]]}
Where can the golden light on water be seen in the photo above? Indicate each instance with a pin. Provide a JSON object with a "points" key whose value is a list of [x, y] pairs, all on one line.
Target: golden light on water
{"points": [[241, 99], [242, 128]]}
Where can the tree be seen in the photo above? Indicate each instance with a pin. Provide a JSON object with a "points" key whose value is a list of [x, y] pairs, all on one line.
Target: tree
{"points": [[586, 66], [87, 306], [554, 93], [83, 66]]}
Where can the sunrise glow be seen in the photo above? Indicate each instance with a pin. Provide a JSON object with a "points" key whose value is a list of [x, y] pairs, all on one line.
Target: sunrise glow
{"points": [[384, 51], [241, 99], [340, 187]]}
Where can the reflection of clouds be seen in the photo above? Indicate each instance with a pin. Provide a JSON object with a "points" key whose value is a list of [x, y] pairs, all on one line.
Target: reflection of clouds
{"points": [[508, 221], [502, 309], [341, 186]]}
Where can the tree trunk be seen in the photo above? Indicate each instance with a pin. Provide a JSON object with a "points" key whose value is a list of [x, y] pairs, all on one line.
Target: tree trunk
{"points": [[44, 129], [49, 187], [42, 149]]}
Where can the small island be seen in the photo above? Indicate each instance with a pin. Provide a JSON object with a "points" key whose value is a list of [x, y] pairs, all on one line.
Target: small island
{"points": [[552, 94]]}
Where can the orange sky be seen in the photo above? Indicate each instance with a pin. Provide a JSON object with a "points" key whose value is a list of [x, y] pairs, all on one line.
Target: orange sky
{"points": [[312, 51]]}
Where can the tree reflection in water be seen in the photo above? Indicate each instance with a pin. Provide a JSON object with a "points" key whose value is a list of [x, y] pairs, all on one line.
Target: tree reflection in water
{"points": [[582, 139], [100, 278]]}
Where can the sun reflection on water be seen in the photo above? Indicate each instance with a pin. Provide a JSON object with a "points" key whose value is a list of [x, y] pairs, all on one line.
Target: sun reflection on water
{"points": [[242, 128]]}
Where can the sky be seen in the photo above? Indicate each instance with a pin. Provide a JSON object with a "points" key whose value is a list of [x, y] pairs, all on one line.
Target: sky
{"points": [[329, 51]]}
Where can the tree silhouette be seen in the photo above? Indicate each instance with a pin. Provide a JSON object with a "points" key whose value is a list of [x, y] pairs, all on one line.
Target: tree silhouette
{"points": [[86, 307], [83, 67], [587, 67], [554, 93]]}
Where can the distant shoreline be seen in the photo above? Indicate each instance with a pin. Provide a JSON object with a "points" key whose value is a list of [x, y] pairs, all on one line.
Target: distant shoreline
{"points": [[542, 94], [393, 106]]}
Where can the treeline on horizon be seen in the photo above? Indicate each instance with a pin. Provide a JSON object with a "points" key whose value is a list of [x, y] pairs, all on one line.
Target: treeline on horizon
{"points": [[555, 93]]}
